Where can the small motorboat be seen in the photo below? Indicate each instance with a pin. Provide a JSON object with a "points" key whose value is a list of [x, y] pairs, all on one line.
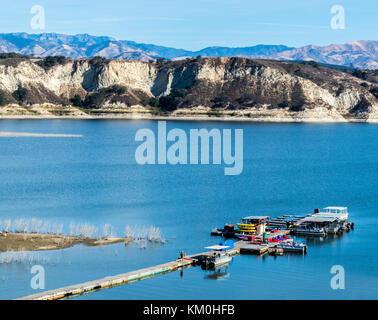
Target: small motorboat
{"points": [[310, 231], [228, 231], [216, 232], [217, 257], [292, 247]]}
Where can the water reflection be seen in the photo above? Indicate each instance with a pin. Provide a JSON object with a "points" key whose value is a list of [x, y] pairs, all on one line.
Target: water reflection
{"points": [[319, 241], [219, 273]]}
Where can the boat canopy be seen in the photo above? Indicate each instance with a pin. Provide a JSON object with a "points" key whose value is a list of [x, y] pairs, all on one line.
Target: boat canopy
{"points": [[217, 247], [336, 209], [320, 218], [256, 218]]}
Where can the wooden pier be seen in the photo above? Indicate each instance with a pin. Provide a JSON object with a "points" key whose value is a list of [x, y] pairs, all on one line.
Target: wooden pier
{"points": [[141, 274], [111, 281], [123, 278], [256, 249]]}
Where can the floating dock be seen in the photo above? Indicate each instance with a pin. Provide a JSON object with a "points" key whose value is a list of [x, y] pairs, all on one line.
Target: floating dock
{"points": [[113, 281], [282, 226], [246, 247], [240, 247], [257, 249]]}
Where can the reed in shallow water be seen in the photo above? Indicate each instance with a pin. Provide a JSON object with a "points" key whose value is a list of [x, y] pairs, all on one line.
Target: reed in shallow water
{"points": [[35, 235], [151, 234]]}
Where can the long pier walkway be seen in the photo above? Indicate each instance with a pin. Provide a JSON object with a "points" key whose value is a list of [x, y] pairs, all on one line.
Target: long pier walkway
{"points": [[141, 274], [120, 279], [111, 281]]}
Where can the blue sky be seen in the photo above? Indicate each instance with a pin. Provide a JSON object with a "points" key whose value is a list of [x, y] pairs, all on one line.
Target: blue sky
{"points": [[194, 24]]}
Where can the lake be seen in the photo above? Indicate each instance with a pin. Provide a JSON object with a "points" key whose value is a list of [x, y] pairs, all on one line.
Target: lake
{"points": [[288, 169]]}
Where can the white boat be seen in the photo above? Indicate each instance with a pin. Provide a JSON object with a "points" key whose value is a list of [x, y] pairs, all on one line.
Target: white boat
{"points": [[341, 213], [217, 257], [310, 231], [329, 220], [293, 247]]}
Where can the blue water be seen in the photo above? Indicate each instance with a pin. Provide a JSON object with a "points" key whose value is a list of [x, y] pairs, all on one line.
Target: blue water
{"points": [[288, 168]]}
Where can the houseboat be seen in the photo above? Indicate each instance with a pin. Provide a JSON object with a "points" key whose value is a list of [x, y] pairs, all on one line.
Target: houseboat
{"points": [[330, 220]]}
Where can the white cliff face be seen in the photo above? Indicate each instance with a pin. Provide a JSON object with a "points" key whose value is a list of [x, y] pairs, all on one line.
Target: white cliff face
{"points": [[267, 81], [136, 75], [30, 74], [211, 73], [273, 80], [12, 77]]}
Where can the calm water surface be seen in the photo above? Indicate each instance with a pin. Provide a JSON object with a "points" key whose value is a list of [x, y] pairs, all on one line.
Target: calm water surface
{"points": [[288, 168]]}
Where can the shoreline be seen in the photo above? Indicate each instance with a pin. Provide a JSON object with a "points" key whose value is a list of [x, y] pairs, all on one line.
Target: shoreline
{"points": [[219, 118]]}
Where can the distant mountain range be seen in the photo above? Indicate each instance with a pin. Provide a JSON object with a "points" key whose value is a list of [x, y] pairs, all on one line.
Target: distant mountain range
{"points": [[355, 54]]}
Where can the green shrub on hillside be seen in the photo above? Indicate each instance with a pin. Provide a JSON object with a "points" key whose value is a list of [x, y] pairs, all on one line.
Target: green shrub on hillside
{"points": [[96, 99], [245, 97], [97, 61], [314, 64], [92, 101], [169, 102], [374, 92], [220, 101], [51, 61], [362, 106], [160, 62], [284, 104], [3, 99], [360, 74], [154, 102], [77, 101], [20, 94], [13, 55]]}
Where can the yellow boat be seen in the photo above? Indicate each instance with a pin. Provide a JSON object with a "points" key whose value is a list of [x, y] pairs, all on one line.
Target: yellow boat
{"points": [[246, 225], [246, 228], [252, 225]]}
